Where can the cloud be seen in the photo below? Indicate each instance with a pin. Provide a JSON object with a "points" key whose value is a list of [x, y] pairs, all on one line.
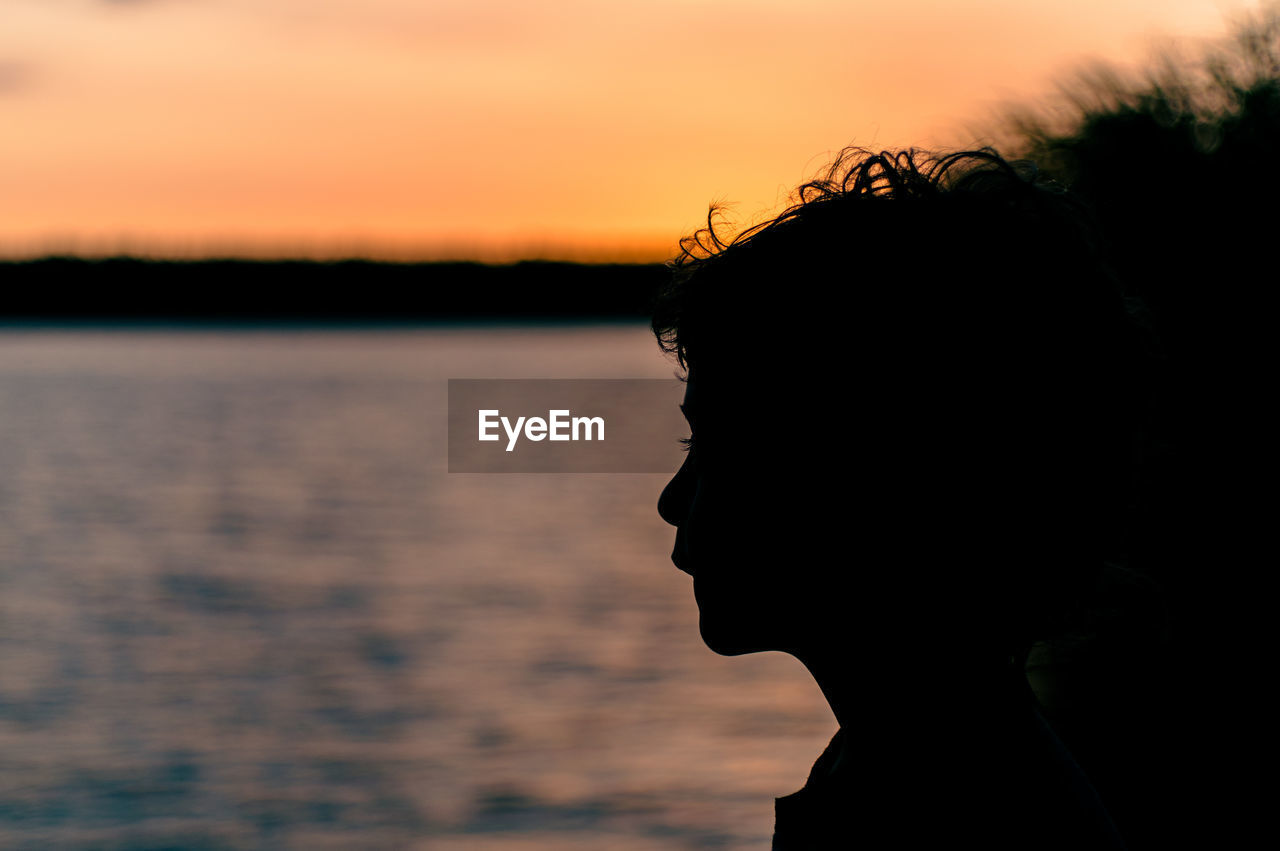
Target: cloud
{"points": [[14, 77], [129, 4]]}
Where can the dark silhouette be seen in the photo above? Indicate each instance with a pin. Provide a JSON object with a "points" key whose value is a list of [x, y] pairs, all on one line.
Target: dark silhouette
{"points": [[914, 398], [1156, 699]]}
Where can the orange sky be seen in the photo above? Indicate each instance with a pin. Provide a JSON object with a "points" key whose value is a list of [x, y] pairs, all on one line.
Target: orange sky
{"points": [[492, 128]]}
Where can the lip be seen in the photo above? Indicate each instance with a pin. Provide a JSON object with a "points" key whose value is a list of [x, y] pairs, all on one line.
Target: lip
{"points": [[678, 560]]}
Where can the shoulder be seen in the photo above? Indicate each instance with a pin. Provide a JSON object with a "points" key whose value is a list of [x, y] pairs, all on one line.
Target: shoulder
{"points": [[1033, 797]]}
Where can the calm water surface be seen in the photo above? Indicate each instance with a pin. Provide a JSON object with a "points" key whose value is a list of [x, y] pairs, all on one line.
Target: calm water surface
{"points": [[242, 605]]}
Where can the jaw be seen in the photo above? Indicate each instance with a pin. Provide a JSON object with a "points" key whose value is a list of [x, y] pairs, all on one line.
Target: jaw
{"points": [[734, 624]]}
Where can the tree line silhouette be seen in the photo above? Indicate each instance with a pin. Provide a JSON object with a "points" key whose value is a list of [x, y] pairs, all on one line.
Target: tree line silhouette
{"points": [[127, 288]]}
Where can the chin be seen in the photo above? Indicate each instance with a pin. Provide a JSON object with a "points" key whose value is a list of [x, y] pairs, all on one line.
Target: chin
{"points": [[731, 623], [732, 638]]}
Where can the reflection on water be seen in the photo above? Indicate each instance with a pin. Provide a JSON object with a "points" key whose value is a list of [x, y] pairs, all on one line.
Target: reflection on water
{"points": [[243, 606]]}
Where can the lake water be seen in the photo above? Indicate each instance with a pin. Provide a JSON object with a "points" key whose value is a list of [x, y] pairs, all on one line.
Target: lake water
{"points": [[242, 605]]}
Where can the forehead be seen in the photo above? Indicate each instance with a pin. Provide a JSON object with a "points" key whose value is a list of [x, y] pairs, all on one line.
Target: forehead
{"points": [[711, 394], [737, 397]]}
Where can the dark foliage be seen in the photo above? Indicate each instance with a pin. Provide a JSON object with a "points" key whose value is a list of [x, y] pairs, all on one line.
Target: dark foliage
{"points": [[55, 289], [1178, 166]]}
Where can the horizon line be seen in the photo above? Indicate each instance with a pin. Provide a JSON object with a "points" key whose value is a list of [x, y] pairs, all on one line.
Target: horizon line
{"points": [[602, 260], [587, 252]]}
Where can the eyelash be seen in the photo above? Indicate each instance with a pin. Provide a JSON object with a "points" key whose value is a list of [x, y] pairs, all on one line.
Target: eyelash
{"points": [[687, 443]]}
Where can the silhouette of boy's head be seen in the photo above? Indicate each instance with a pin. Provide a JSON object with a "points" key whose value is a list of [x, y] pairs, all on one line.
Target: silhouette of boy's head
{"points": [[909, 399]]}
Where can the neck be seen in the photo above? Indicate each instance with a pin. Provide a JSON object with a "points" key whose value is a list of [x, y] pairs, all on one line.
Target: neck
{"points": [[931, 691]]}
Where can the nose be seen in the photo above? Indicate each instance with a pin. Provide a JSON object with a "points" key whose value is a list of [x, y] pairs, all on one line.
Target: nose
{"points": [[673, 504]]}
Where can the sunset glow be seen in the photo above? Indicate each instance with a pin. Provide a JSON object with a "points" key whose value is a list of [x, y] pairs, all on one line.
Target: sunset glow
{"points": [[493, 129]]}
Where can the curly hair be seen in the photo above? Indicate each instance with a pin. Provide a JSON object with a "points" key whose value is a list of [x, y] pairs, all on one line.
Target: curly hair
{"points": [[944, 199]]}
